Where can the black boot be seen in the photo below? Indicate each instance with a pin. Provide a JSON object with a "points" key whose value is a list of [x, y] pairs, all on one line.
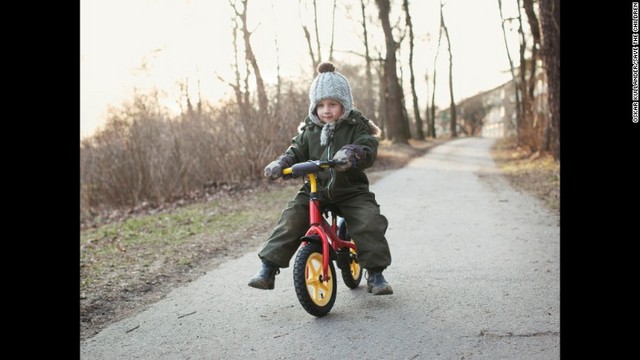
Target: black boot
{"points": [[265, 278], [376, 284]]}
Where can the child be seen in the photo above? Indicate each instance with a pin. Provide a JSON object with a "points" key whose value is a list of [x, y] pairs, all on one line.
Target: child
{"points": [[333, 129]]}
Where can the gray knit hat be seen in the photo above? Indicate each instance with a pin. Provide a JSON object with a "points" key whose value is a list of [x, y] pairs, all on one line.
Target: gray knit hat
{"points": [[329, 84]]}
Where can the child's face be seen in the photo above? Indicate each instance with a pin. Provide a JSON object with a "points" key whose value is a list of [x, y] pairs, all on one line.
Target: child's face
{"points": [[329, 110]]}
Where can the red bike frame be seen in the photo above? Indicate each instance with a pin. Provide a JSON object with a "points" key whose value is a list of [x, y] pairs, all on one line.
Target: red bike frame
{"points": [[328, 233], [320, 227]]}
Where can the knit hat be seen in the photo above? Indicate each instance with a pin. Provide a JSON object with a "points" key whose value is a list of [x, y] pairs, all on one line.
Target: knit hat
{"points": [[329, 84]]}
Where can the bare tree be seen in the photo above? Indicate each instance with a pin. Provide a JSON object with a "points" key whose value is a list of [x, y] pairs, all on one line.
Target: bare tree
{"points": [[530, 129], [550, 25], [315, 25], [472, 112], [427, 109], [416, 109], [316, 55], [452, 102], [514, 78], [394, 108], [263, 102], [307, 35], [276, 110], [405, 115], [432, 123], [534, 27], [236, 85], [382, 98], [370, 103], [523, 81], [333, 30]]}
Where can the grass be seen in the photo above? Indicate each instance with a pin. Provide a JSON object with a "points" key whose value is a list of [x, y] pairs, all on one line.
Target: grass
{"points": [[174, 239], [536, 174]]}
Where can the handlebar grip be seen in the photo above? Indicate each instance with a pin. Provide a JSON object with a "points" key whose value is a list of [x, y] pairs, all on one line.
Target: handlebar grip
{"points": [[310, 167], [304, 168]]}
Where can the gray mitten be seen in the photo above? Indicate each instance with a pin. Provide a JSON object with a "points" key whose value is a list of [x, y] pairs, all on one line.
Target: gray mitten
{"points": [[274, 169], [350, 153]]}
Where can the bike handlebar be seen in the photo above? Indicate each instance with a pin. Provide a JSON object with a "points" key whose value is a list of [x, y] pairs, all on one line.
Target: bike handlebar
{"points": [[310, 167]]}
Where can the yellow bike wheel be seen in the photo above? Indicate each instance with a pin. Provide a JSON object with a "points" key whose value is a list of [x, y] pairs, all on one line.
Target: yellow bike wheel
{"points": [[352, 275], [316, 295]]}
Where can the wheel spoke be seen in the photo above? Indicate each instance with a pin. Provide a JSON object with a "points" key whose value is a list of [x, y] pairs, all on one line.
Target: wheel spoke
{"points": [[318, 289], [314, 270]]}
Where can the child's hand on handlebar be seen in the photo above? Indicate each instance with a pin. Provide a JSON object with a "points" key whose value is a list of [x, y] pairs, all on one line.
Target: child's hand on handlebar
{"points": [[274, 169], [349, 154]]}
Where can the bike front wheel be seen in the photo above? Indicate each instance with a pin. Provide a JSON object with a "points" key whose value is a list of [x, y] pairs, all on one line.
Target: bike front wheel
{"points": [[316, 295]]}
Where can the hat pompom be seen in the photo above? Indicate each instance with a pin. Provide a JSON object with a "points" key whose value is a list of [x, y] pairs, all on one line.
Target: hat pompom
{"points": [[326, 67]]}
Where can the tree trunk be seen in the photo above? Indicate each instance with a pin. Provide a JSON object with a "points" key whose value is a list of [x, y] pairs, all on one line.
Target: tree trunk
{"points": [[333, 30], [315, 25], [416, 108], [307, 35], [524, 127], [382, 98], [369, 105], [432, 124], [514, 78], [452, 103], [427, 109], [550, 24], [394, 107], [534, 27], [263, 102]]}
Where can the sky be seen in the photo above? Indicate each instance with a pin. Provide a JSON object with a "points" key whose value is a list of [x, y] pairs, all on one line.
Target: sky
{"points": [[136, 45]]}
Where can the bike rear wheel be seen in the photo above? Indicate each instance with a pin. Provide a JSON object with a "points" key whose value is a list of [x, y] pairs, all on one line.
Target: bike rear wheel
{"points": [[315, 295], [352, 273]]}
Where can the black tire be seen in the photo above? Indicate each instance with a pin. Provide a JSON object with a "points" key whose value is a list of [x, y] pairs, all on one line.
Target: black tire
{"points": [[316, 296], [352, 275]]}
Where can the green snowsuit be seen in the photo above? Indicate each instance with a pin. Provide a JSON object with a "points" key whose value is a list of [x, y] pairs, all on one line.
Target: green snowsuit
{"points": [[348, 191]]}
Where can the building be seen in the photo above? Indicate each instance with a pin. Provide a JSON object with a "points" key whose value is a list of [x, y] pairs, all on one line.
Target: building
{"points": [[493, 113]]}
